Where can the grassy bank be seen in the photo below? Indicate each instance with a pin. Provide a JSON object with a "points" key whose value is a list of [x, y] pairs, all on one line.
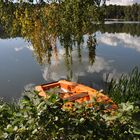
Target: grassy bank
{"points": [[35, 118]]}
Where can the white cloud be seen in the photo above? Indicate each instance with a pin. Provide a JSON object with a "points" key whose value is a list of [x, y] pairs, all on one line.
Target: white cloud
{"points": [[99, 65], [108, 39], [120, 39], [59, 70], [102, 66], [17, 49]]}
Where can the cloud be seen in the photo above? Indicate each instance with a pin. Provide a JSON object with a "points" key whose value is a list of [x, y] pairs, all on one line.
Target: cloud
{"points": [[92, 75], [17, 49], [26, 45], [99, 65], [59, 70], [120, 39], [108, 39]]}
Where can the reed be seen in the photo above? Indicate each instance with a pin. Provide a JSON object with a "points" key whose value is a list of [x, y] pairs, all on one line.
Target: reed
{"points": [[127, 88]]}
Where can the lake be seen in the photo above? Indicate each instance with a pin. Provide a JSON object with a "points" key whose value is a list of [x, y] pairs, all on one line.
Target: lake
{"points": [[111, 49]]}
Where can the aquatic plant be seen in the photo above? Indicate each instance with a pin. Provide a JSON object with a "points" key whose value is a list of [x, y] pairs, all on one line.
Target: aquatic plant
{"points": [[37, 118], [127, 88]]}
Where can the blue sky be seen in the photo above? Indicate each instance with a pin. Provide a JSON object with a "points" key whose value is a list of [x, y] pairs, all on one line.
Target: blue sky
{"points": [[123, 2]]}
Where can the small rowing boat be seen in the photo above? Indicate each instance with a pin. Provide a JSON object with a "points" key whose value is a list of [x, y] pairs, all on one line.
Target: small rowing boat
{"points": [[74, 92]]}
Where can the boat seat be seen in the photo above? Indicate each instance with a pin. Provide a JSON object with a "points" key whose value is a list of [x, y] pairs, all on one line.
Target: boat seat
{"points": [[76, 96]]}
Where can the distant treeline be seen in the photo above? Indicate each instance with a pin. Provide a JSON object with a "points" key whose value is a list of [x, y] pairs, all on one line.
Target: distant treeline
{"points": [[129, 13], [132, 29]]}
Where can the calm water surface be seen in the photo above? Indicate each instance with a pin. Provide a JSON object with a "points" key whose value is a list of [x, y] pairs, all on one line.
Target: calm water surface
{"points": [[115, 52]]}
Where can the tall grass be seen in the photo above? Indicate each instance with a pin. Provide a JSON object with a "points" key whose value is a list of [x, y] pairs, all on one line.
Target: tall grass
{"points": [[127, 88]]}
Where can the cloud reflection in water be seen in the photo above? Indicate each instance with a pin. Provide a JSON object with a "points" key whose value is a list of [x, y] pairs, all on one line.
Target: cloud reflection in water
{"points": [[102, 65], [120, 39]]}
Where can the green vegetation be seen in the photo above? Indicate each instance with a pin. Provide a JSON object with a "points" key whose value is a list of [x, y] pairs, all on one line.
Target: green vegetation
{"points": [[68, 21], [43, 24], [129, 13], [36, 118], [33, 117], [127, 88]]}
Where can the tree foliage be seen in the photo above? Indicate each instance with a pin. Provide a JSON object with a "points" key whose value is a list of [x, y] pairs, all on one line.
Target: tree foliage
{"points": [[43, 24], [129, 13]]}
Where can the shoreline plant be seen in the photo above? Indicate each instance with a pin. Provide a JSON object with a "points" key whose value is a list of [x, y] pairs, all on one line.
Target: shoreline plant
{"points": [[127, 88], [34, 117]]}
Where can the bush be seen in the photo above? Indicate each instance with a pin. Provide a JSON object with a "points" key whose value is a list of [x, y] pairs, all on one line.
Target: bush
{"points": [[35, 118]]}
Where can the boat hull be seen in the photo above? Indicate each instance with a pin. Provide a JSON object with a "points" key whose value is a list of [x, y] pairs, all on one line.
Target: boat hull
{"points": [[74, 92]]}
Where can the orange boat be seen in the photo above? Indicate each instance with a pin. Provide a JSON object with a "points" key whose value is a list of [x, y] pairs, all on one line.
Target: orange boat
{"points": [[74, 92]]}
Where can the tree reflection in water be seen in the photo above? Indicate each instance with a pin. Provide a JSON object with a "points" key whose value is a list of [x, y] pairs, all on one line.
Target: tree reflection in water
{"points": [[49, 26], [44, 25]]}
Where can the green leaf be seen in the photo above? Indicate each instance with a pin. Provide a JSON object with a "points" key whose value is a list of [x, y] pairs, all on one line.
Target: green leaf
{"points": [[136, 131], [9, 128], [82, 120]]}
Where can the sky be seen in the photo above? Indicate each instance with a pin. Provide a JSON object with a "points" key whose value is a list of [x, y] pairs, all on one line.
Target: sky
{"points": [[122, 2]]}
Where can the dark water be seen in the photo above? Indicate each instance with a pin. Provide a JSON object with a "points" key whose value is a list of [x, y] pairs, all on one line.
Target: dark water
{"points": [[116, 51]]}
